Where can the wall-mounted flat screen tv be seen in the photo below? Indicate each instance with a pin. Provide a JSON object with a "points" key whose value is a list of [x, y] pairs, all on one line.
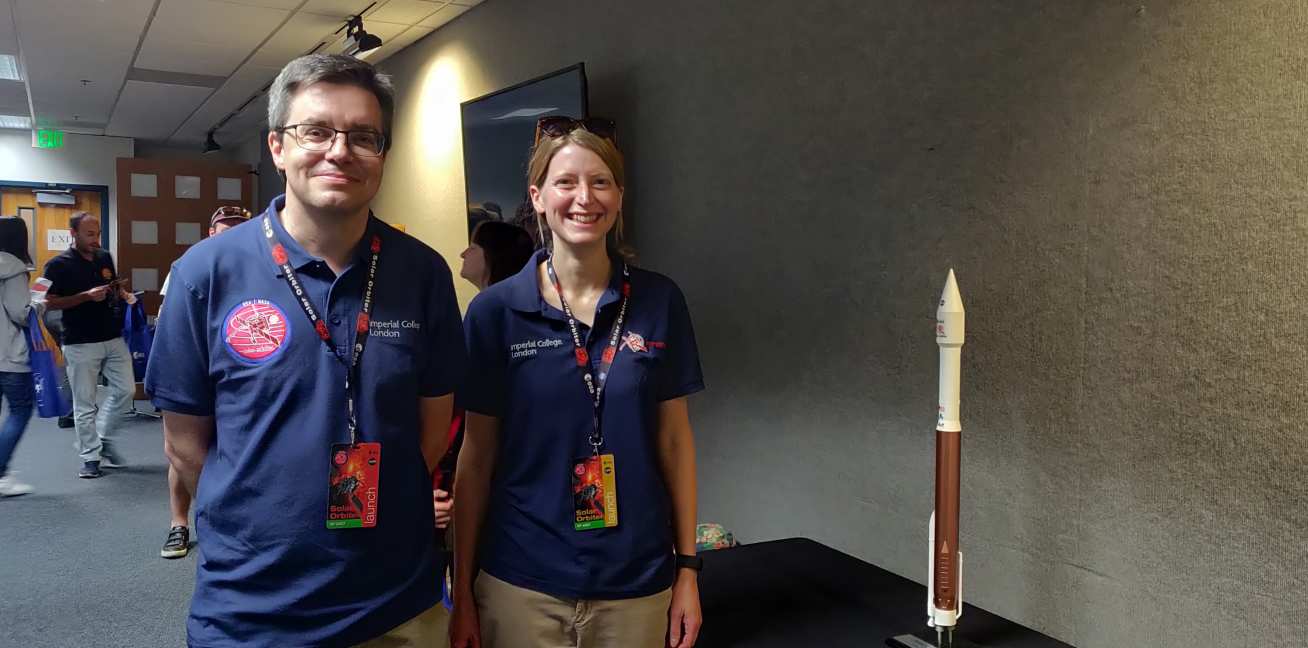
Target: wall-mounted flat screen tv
{"points": [[498, 132]]}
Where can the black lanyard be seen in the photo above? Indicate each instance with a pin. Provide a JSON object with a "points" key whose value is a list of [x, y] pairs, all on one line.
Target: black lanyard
{"points": [[320, 327], [593, 387]]}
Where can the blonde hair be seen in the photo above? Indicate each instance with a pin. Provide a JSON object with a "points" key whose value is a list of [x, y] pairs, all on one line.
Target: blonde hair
{"points": [[539, 166]]}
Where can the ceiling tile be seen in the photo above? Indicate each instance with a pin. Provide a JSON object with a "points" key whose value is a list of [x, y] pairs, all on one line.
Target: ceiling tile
{"points": [[384, 30], [175, 55], [299, 35], [59, 53], [247, 81], [205, 36], [338, 8], [394, 45], [405, 11], [270, 4], [13, 97], [445, 15], [8, 43], [152, 111]]}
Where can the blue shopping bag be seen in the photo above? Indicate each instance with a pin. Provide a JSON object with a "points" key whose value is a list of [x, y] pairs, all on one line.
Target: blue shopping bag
{"points": [[52, 398], [140, 336]]}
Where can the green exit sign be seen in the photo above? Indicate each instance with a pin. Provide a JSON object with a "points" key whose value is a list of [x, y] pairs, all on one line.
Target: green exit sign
{"points": [[49, 139]]}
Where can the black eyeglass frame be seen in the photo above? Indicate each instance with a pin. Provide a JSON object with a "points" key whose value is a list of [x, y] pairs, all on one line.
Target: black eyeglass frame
{"points": [[295, 134]]}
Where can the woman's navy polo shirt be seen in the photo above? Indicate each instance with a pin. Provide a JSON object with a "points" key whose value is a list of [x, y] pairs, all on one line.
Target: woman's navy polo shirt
{"points": [[233, 343], [523, 370]]}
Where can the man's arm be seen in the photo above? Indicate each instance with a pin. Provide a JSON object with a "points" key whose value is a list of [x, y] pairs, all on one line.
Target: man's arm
{"points": [[434, 417], [186, 444], [56, 302]]}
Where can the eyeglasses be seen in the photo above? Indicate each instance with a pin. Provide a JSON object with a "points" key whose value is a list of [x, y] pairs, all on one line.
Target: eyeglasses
{"points": [[316, 137], [560, 125]]}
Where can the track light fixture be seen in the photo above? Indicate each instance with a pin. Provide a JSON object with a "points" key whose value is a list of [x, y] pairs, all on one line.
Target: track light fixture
{"points": [[211, 145], [363, 41]]}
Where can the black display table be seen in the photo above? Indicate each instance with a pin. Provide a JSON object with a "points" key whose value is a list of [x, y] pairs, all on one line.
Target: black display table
{"points": [[797, 593]]}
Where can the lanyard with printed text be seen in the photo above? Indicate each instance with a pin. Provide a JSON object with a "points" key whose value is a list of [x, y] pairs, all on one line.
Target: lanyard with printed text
{"points": [[594, 387], [320, 327]]}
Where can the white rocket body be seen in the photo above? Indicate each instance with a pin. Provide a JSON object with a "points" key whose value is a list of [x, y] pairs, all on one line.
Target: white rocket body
{"points": [[949, 339]]}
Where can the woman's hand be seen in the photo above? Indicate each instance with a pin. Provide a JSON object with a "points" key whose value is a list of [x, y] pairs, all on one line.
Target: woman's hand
{"points": [[444, 507], [465, 627], [684, 615]]}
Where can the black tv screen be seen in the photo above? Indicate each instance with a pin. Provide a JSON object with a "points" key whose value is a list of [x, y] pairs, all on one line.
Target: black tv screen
{"points": [[498, 132]]}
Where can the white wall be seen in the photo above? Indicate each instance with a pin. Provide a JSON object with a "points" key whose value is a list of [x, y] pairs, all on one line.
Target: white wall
{"points": [[84, 159]]}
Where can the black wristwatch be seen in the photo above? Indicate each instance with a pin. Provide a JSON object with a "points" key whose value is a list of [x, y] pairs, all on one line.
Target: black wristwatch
{"points": [[690, 562]]}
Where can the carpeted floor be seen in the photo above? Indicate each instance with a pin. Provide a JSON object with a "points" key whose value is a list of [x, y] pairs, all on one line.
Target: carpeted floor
{"points": [[79, 558]]}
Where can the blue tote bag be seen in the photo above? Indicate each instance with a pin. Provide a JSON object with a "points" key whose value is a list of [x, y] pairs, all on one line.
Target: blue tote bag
{"points": [[52, 399], [140, 336]]}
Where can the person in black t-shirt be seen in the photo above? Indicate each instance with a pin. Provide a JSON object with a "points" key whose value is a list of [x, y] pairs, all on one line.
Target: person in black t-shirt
{"points": [[85, 286]]}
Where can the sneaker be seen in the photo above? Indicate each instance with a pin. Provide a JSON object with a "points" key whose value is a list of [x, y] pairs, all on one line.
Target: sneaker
{"points": [[66, 422], [109, 458], [178, 544], [10, 487], [90, 470]]}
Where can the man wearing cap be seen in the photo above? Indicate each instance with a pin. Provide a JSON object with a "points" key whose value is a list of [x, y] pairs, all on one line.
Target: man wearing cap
{"points": [[179, 499], [305, 365], [85, 286]]}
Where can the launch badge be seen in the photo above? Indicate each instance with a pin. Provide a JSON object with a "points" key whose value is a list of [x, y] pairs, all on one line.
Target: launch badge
{"points": [[353, 481], [594, 493]]}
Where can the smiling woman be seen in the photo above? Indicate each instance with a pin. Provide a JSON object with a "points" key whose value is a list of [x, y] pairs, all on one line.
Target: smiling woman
{"points": [[597, 402]]}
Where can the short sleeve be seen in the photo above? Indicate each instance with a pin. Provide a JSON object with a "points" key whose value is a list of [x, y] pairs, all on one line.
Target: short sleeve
{"points": [[54, 271], [447, 359], [177, 375], [485, 390], [680, 373]]}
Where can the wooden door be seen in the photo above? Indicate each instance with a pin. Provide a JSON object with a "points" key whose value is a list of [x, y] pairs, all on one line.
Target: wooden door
{"points": [[49, 231], [159, 221]]}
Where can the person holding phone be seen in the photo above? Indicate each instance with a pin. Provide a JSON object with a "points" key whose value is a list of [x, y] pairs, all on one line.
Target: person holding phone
{"points": [[86, 287], [576, 481]]}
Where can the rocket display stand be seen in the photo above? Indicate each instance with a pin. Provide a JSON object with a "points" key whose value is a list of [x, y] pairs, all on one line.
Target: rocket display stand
{"points": [[927, 639], [945, 566]]}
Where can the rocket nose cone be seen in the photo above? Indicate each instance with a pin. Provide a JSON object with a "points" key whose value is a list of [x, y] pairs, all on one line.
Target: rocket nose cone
{"points": [[950, 300]]}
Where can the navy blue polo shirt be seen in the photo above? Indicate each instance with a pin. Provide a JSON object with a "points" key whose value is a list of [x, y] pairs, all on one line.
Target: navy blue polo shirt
{"points": [[523, 370], [233, 343]]}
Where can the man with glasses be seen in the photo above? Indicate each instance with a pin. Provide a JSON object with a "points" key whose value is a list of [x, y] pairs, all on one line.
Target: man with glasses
{"points": [[178, 542], [305, 365]]}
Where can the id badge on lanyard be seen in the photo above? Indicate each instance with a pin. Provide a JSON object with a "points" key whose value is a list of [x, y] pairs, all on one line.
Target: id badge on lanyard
{"points": [[354, 473], [594, 478]]}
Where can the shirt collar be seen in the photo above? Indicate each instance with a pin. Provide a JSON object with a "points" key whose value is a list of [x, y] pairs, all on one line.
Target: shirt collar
{"points": [[298, 257], [524, 289]]}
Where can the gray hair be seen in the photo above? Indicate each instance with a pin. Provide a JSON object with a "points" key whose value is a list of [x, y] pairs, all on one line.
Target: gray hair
{"points": [[329, 68]]}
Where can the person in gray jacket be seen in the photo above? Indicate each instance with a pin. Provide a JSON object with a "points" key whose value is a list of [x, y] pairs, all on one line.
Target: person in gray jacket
{"points": [[15, 373]]}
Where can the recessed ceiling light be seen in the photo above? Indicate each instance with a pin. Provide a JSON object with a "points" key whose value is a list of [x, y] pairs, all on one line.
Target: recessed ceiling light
{"points": [[15, 121], [9, 68]]}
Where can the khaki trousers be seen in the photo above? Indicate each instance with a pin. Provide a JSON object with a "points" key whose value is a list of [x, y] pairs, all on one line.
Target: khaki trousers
{"points": [[431, 629], [515, 617]]}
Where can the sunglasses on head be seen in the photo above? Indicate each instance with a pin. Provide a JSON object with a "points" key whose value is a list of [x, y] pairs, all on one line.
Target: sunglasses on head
{"points": [[559, 125]]}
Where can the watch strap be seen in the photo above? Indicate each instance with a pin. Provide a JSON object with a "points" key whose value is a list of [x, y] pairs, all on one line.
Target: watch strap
{"points": [[690, 562]]}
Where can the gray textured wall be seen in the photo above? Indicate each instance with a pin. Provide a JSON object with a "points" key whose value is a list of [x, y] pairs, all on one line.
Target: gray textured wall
{"points": [[1120, 188]]}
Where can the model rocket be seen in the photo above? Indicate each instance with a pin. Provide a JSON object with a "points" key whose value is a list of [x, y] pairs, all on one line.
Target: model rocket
{"points": [[945, 583]]}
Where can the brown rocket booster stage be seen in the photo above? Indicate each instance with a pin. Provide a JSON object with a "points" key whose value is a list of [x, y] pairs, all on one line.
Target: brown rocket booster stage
{"points": [[944, 593]]}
